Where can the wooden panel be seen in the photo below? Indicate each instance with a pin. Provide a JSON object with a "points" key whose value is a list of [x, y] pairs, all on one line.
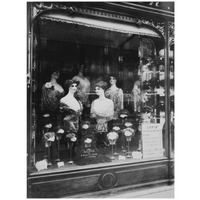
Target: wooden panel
{"points": [[56, 188], [69, 183], [142, 175]]}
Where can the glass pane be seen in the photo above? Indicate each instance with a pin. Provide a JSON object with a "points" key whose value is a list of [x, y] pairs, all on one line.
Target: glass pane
{"points": [[97, 99], [152, 108]]}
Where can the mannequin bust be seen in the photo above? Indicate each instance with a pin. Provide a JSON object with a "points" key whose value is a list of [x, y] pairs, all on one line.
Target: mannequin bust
{"points": [[138, 96], [71, 108], [103, 110], [84, 85], [51, 93], [116, 95], [145, 72]]}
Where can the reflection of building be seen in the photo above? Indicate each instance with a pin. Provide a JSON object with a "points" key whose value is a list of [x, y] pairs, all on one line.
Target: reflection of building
{"points": [[108, 38]]}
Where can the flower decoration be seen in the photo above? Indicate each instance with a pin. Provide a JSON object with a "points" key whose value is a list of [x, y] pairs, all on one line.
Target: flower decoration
{"points": [[116, 128], [88, 142], [59, 133], [48, 126], [112, 137], [48, 85], [49, 136], [72, 137], [85, 125], [128, 124], [128, 132], [123, 115], [46, 115]]}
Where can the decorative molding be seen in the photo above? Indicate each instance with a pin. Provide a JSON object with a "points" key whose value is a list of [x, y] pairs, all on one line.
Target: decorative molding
{"points": [[94, 26], [139, 21], [40, 7], [107, 180]]}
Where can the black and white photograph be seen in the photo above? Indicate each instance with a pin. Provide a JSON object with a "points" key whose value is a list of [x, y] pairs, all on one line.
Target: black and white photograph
{"points": [[100, 94], [109, 102], [100, 86]]}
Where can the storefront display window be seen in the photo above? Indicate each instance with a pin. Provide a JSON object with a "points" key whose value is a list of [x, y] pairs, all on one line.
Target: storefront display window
{"points": [[98, 97]]}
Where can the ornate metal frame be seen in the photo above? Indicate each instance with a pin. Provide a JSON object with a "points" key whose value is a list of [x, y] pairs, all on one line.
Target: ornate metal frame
{"points": [[39, 8]]}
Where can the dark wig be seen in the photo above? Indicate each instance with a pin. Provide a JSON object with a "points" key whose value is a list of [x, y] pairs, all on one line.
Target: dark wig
{"points": [[101, 84], [70, 82]]}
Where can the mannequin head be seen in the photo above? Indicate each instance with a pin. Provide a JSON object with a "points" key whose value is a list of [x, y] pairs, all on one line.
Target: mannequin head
{"points": [[81, 69], [71, 86], [112, 80], [55, 75], [99, 91], [51, 73], [100, 87], [137, 84]]}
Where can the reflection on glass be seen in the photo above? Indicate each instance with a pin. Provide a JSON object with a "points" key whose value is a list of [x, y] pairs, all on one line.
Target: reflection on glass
{"points": [[67, 135]]}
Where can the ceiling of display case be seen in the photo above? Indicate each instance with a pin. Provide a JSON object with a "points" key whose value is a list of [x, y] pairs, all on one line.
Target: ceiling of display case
{"points": [[93, 32]]}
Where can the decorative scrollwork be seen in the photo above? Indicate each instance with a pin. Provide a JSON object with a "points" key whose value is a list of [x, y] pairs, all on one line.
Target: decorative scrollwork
{"points": [[71, 9], [44, 6], [158, 25], [171, 33], [40, 7]]}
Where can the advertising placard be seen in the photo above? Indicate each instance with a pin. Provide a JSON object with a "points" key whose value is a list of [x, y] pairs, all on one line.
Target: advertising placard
{"points": [[152, 144]]}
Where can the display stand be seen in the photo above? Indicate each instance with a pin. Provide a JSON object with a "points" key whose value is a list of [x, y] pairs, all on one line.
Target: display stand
{"points": [[123, 119], [59, 134], [70, 153], [112, 138], [128, 152], [117, 130], [112, 157]]}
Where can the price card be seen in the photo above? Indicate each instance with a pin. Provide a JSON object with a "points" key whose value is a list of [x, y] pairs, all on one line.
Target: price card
{"points": [[152, 143]]}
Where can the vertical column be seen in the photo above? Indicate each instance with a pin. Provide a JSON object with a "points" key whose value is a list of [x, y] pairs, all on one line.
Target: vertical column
{"points": [[29, 98], [167, 97]]}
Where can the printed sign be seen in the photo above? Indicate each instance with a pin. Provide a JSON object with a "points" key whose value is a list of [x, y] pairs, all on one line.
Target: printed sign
{"points": [[152, 144], [89, 153]]}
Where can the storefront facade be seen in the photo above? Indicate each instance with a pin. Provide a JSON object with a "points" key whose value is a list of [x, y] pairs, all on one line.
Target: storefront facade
{"points": [[100, 96]]}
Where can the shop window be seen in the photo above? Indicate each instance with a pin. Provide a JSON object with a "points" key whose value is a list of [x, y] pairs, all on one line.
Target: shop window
{"points": [[99, 98]]}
